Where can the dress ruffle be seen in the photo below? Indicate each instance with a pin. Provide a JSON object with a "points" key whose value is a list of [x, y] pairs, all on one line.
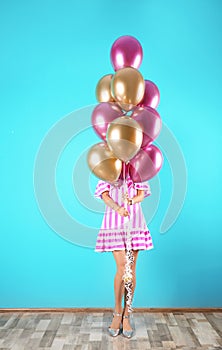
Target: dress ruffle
{"points": [[103, 186], [143, 186], [109, 240]]}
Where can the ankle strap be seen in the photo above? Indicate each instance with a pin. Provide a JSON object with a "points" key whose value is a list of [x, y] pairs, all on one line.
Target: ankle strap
{"points": [[116, 314], [126, 316]]}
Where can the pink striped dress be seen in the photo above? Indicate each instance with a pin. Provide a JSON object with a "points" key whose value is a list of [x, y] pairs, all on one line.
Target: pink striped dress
{"points": [[112, 234]]}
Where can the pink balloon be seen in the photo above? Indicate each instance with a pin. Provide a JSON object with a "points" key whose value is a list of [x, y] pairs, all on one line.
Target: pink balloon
{"points": [[151, 96], [102, 115], [146, 163], [150, 121], [126, 172], [126, 51]]}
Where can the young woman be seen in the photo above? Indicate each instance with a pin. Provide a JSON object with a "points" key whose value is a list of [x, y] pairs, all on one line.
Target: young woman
{"points": [[112, 237]]}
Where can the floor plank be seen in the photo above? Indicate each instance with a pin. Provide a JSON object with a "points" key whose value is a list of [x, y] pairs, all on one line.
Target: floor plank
{"points": [[88, 331]]}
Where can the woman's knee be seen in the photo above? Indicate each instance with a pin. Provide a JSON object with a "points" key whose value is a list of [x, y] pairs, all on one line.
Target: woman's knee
{"points": [[121, 268]]}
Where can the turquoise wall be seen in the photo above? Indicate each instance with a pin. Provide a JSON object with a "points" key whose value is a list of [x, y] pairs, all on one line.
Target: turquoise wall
{"points": [[52, 55]]}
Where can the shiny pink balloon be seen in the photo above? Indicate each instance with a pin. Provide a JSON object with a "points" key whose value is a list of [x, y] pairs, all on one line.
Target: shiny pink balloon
{"points": [[102, 115], [126, 51], [126, 172], [146, 163], [151, 96], [150, 121]]}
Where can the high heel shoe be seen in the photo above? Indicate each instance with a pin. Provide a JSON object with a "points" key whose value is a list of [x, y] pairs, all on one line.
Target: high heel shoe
{"points": [[112, 331], [128, 334]]}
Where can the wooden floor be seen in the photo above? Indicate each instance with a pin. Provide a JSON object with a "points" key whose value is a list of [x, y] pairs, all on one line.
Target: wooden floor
{"points": [[88, 331]]}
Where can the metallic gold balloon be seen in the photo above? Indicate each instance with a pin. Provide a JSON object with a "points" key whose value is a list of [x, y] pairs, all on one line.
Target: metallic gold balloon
{"points": [[124, 137], [103, 163], [128, 87], [103, 89]]}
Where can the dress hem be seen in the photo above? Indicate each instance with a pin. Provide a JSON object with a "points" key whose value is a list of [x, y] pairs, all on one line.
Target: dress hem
{"points": [[111, 250]]}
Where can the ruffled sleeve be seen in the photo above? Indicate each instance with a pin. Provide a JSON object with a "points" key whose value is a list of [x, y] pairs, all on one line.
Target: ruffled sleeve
{"points": [[101, 187], [143, 186]]}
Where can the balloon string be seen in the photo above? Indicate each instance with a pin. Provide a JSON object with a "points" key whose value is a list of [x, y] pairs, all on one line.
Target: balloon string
{"points": [[127, 277]]}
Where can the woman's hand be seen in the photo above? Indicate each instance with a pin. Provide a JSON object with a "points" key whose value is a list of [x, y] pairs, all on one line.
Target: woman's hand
{"points": [[122, 211]]}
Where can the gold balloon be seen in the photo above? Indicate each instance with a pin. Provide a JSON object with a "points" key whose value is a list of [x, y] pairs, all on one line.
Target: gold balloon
{"points": [[103, 163], [128, 87], [103, 89], [124, 137]]}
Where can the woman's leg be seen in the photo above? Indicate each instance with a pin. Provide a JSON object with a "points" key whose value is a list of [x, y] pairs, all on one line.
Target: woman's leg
{"points": [[126, 323], [119, 256]]}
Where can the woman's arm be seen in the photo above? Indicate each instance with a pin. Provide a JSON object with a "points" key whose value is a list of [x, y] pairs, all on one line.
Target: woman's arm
{"points": [[138, 198], [110, 202]]}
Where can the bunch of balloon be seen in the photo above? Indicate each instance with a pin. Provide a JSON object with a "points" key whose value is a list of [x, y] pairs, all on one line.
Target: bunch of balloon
{"points": [[127, 121]]}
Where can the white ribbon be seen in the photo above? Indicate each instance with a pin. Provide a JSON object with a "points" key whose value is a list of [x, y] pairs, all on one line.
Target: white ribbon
{"points": [[129, 258]]}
